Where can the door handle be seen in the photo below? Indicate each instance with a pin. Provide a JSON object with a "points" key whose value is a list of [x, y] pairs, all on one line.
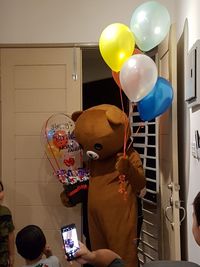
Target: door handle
{"points": [[168, 208], [177, 205]]}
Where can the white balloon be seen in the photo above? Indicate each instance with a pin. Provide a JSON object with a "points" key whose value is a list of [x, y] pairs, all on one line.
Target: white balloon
{"points": [[138, 76]]}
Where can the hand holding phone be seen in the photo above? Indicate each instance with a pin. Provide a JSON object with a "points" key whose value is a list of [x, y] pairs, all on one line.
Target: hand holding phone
{"points": [[70, 240]]}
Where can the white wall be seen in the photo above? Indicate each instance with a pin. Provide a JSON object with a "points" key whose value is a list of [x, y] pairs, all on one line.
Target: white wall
{"points": [[190, 10], [63, 21]]}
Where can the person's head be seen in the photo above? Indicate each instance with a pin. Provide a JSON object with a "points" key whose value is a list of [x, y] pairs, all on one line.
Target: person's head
{"points": [[196, 219], [1, 191], [30, 242]]}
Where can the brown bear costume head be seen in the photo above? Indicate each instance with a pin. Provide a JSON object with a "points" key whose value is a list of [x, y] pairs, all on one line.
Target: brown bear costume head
{"points": [[100, 130]]}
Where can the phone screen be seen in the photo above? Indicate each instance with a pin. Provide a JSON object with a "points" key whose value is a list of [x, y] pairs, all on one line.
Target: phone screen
{"points": [[70, 240]]}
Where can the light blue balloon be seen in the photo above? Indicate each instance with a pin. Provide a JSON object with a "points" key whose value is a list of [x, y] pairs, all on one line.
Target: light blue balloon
{"points": [[150, 24], [157, 101]]}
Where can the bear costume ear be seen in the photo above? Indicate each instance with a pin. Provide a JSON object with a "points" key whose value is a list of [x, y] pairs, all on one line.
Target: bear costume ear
{"points": [[113, 113], [116, 116], [75, 115]]}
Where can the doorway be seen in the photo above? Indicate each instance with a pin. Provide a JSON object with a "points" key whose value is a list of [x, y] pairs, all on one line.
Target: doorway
{"points": [[99, 86]]}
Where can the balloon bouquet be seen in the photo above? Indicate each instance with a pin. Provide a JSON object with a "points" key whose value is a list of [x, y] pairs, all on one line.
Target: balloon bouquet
{"points": [[133, 71], [65, 156]]}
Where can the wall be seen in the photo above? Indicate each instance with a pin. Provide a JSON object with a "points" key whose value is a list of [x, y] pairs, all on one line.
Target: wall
{"points": [[190, 10], [63, 21]]}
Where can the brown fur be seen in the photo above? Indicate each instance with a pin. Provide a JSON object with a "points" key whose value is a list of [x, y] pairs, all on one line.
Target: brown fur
{"points": [[112, 220]]}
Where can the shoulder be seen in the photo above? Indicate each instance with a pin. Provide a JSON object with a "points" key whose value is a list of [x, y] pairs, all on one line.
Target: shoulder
{"points": [[4, 211], [6, 218], [51, 261]]}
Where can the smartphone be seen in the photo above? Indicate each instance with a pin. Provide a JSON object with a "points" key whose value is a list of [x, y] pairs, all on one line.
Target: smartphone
{"points": [[70, 240]]}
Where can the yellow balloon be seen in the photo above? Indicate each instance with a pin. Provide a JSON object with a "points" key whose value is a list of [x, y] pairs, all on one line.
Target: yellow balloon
{"points": [[116, 45]]}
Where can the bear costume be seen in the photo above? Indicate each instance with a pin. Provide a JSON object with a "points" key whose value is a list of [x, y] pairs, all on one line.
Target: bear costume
{"points": [[112, 217]]}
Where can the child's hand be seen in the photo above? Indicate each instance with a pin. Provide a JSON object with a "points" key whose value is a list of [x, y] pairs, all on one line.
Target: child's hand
{"points": [[47, 251]]}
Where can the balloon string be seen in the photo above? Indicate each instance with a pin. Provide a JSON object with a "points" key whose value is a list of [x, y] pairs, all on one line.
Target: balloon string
{"points": [[125, 123], [120, 90], [126, 132], [138, 129], [50, 162], [81, 157], [50, 145], [122, 177], [125, 137], [133, 138]]}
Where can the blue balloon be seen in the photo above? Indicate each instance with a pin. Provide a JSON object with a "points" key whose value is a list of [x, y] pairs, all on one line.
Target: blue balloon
{"points": [[157, 101]]}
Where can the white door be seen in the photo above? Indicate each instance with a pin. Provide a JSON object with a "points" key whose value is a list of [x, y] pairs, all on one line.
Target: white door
{"points": [[168, 155], [36, 83], [157, 144]]}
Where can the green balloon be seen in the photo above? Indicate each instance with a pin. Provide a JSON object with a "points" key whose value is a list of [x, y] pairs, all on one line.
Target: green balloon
{"points": [[150, 24]]}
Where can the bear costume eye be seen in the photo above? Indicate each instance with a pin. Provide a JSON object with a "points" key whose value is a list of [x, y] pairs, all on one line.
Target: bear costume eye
{"points": [[98, 147]]}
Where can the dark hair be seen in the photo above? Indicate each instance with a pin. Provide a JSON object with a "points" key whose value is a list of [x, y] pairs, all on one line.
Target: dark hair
{"points": [[30, 242], [1, 186], [196, 205]]}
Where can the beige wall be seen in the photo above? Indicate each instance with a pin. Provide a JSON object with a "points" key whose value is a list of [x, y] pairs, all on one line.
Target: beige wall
{"points": [[63, 21]]}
